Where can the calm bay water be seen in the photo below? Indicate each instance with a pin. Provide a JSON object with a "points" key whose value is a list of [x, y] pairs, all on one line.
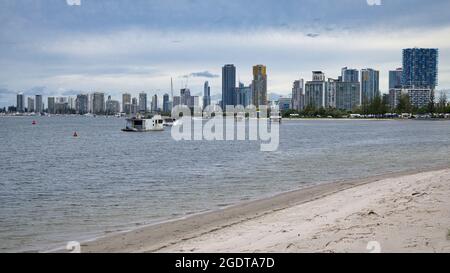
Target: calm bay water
{"points": [[55, 188]]}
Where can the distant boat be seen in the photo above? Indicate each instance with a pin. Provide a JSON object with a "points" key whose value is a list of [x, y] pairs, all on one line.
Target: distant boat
{"points": [[138, 124], [276, 118]]}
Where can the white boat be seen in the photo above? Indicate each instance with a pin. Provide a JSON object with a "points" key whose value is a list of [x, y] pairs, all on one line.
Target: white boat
{"points": [[137, 124], [169, 122], [275, 118]]}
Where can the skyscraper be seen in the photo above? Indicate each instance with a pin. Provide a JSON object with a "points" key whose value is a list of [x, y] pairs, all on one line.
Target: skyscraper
{"points": [[228, 85], [350, 75], [51, 105], [126, 103], [315, 91], [348, 95], [112, 106], [259, 85], [154, 104], [20, 106], [82, 104], [298, 95], [39, 108], [134, 106], [98, 103], [185, 97], [243, 95], [206, 95], [370, 85], [420, 68], [166, 103], [30, 105], [143, 102], [395, 78]]}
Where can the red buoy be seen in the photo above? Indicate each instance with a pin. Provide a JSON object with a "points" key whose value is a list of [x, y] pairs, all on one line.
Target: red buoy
{"points": [[75, 134], [34, 122]]}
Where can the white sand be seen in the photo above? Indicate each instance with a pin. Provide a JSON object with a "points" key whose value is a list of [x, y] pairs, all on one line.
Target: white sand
{"points": [[404, 214]]}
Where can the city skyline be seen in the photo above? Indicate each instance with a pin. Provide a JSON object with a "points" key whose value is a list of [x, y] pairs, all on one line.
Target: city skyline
{"points": [[142, 46]]}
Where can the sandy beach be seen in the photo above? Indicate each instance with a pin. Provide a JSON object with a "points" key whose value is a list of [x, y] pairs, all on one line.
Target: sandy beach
{"points": [[401, 212]]}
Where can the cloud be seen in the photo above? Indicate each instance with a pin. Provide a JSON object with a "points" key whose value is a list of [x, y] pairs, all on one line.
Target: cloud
{"points": [[204, 74], [312, 35], [73, 2]]}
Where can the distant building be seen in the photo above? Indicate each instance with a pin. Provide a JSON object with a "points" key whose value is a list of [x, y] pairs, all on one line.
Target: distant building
{"points": [[61, 105], [259, 85], [349, 75], [420, 68], [112, 106], [298, 95], [39, 105], [185, 97], [348, 95], [206, 95], [166, 103], [194, 102], [243, 95], [134, 106], [154, 104], [51, 105], [30, 105], [126, 103], [395, 78], [82, 104], [20, 106], [143, 102], [98, 103], [419, 97], [176, 101], [394, 97], [228, 85], [330, 94], [370, 85], [315, 91], [284, 104]]}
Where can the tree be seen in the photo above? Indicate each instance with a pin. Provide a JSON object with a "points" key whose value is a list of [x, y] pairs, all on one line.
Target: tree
{"points": [[442, 104], [431, 105], [404, 104]]}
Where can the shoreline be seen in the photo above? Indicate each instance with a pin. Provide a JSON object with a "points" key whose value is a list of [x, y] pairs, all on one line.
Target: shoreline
{"points": [[167, 234]]}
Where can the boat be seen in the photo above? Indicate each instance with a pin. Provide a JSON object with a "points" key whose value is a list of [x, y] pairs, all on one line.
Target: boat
{"points": [[138, 124], [276, 118], [169, 122]]}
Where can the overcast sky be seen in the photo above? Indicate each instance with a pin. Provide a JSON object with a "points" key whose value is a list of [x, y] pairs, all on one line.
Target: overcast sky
{"points": [[63, 47]]}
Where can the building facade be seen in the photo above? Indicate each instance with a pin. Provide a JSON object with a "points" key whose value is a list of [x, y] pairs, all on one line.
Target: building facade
{"points": [[420, 68], [143, 102], [370, 85], [243, 95], [395, 78], [166, 103], [348, 95], [206, 94], [20, 105], [98, 103], [298, 95], [30, 105], [315, 91], [82, 104], [349, 75], [228, 85], [126, 103], [39, 105], [51, 105], [154, 105], [259, 85]]}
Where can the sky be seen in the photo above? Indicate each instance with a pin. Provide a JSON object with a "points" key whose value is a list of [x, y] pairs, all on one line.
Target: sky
{"points": [[64, 47]]}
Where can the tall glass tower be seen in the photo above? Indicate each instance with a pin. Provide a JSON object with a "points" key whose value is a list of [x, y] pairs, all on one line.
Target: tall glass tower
{"points": [[420, 68], [228, 85]]}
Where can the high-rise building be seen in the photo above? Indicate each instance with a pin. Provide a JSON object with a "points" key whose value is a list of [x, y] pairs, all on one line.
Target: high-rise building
{"points": [[61, 105], [419, 97], [72, 103], [348, 95], [349, 75], [143, 102], [39, 108], [315, 91], [176, 101], [51, 105], [30, 105], [154, 104], [82, 104], [112, 106], [330, 94], [228, 85], [259, 85], [98, 103], [206, 95], [394, 97], [420, 68], [20, 106], [166, 103], [243, 95], [395, 78], [370, 85], [298, 95], [134, 106], [185, 97], [126, 103]]}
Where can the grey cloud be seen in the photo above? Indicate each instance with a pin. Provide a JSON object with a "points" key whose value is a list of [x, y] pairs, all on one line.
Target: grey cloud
{"points": [[204, 74]]}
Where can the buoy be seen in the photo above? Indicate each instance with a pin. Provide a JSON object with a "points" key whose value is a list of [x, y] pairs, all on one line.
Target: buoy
{"points": [[34, 122], [75, 134]]}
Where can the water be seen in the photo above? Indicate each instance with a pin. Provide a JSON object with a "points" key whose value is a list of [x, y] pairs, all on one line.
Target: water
{"points": [[55, 188]]}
